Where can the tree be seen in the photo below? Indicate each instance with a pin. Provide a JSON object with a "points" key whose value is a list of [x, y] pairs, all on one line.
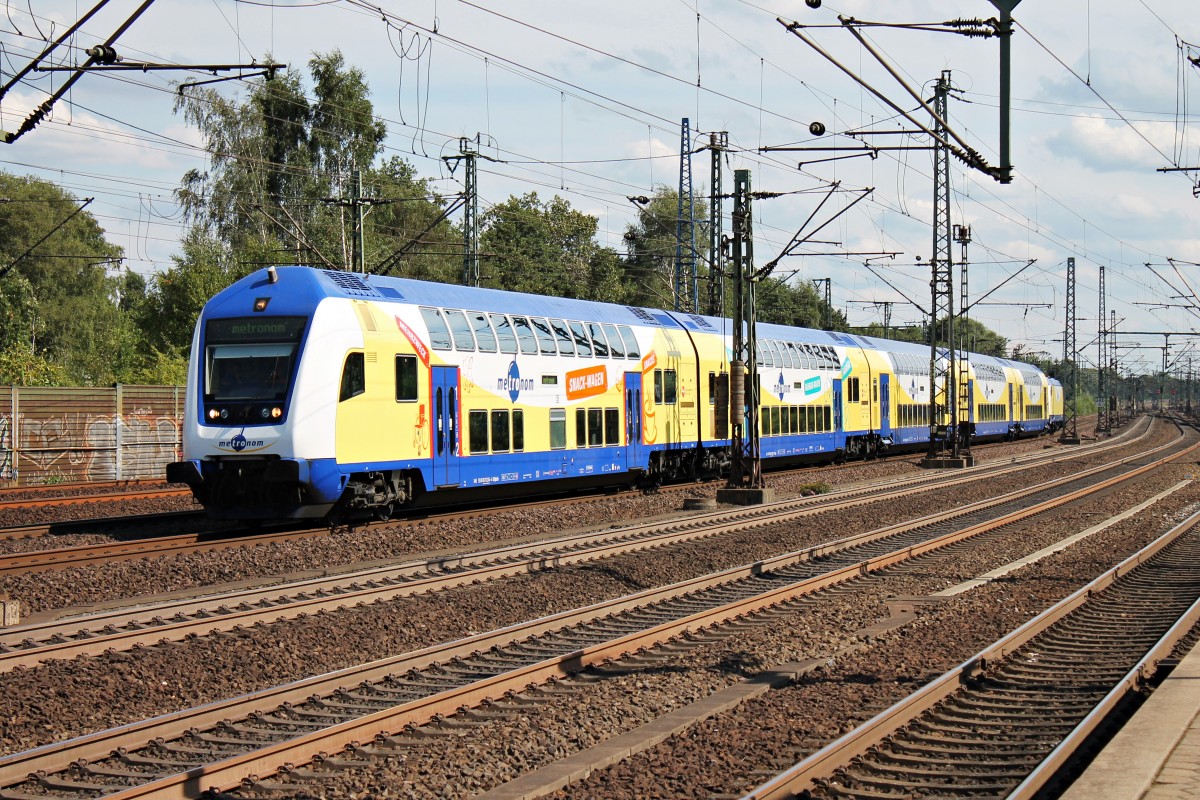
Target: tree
{"points": [[408, 234], [651, 246], [278, 187], [800, 305], [173, 303], [548, 248], [981, 339], [62, 312], [277, 191], [277, 159]]}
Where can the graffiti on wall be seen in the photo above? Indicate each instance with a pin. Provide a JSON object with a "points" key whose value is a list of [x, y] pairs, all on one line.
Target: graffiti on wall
{"points": [[70, 447], [7, 472], [79, 434]]}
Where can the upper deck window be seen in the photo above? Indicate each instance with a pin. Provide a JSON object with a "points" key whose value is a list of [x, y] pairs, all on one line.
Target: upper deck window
{"points": [[504, 333], [545, 338], [582, 342], [483, 332], [599, 344], [525, 336], [461, 330], [565, 346], [631, 345], [439, 334], [615, 346]]}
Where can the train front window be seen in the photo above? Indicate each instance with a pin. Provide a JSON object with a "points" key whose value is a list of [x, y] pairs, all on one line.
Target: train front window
{"points": [[248, 371]]}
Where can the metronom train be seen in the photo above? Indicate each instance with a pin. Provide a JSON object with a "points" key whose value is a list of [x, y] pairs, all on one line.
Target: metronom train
{"points": [[318, 393]]}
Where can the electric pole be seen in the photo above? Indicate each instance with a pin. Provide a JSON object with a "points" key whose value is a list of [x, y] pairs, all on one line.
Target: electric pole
{"points": [[746, 485], [686, 289], [827, 303], [357, 203], [944, 433], [718, 143], [1102, 423], [470, 155], [1070, 434]]}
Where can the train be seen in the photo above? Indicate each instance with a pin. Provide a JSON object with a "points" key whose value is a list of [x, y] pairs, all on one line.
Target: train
{"points": [[317, 393]]}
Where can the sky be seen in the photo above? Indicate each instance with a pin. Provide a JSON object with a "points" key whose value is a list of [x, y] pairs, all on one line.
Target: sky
{"points": [[585, 100]]}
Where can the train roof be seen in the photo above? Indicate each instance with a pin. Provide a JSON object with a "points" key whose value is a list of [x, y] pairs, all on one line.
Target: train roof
{"points": [[299, 289]]}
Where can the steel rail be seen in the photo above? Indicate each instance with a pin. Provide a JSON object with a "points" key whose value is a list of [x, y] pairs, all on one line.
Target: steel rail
{"points": [[825, 763], [46, 488], [230, 771], [81, 499], [29, 645], [63, 527], [64, 557], [84, 555]]}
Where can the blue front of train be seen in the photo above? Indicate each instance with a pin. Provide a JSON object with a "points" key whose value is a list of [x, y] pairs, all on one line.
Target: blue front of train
{"points": [[247, 454]]}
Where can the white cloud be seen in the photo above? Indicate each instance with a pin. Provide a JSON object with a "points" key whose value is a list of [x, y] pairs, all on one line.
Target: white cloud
{"points": [[1107, 146]]}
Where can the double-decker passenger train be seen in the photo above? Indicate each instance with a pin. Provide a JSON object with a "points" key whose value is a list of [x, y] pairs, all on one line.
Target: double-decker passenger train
{"points": [[316, 393]]}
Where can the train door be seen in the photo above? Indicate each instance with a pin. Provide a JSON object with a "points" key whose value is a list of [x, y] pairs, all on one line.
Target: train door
{"points": [[635, 449], [1012, 417], [885, 404], [837, 410], [445, 426]]}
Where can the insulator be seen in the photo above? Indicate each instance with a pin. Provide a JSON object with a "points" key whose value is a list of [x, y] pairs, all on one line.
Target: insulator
{"points": [[103, 54]]}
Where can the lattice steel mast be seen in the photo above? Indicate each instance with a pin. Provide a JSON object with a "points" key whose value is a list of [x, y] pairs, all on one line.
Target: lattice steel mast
{"points": [[942, 372], [718, 143], [1070, 434], [687, 289]]}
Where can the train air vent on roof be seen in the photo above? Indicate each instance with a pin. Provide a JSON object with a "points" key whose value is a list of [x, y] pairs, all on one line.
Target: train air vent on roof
{"points": [[667, 320], [388, 291], [350, 283], [642, 314], [700, 321], [842, 339]]}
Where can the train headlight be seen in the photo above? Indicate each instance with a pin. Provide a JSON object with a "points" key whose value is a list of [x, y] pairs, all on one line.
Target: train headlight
{"points": [[213, 413], [266, 412], [224, 413], [276, 412]]}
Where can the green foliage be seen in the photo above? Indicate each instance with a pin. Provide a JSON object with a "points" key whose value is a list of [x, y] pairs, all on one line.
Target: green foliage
{"points": [[404, 236], [20, 365], [801, 305], [280, 179], [276, 158], [548, 248], [65, 316], [982, 339], [177, 295], [651, 247]]}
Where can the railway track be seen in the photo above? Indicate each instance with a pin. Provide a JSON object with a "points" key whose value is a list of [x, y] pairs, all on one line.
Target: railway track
{"points": [[225, 742], [209, 539], [82, 499], [30, 644], [1010, 720]]}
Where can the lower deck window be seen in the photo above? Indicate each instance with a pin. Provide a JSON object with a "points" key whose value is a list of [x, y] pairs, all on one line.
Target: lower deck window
{"points": [[518, 430], [612, 426], [558, 428], [477, 432], [406, 378], [500, 439], [595, 419], [788, 420]]}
